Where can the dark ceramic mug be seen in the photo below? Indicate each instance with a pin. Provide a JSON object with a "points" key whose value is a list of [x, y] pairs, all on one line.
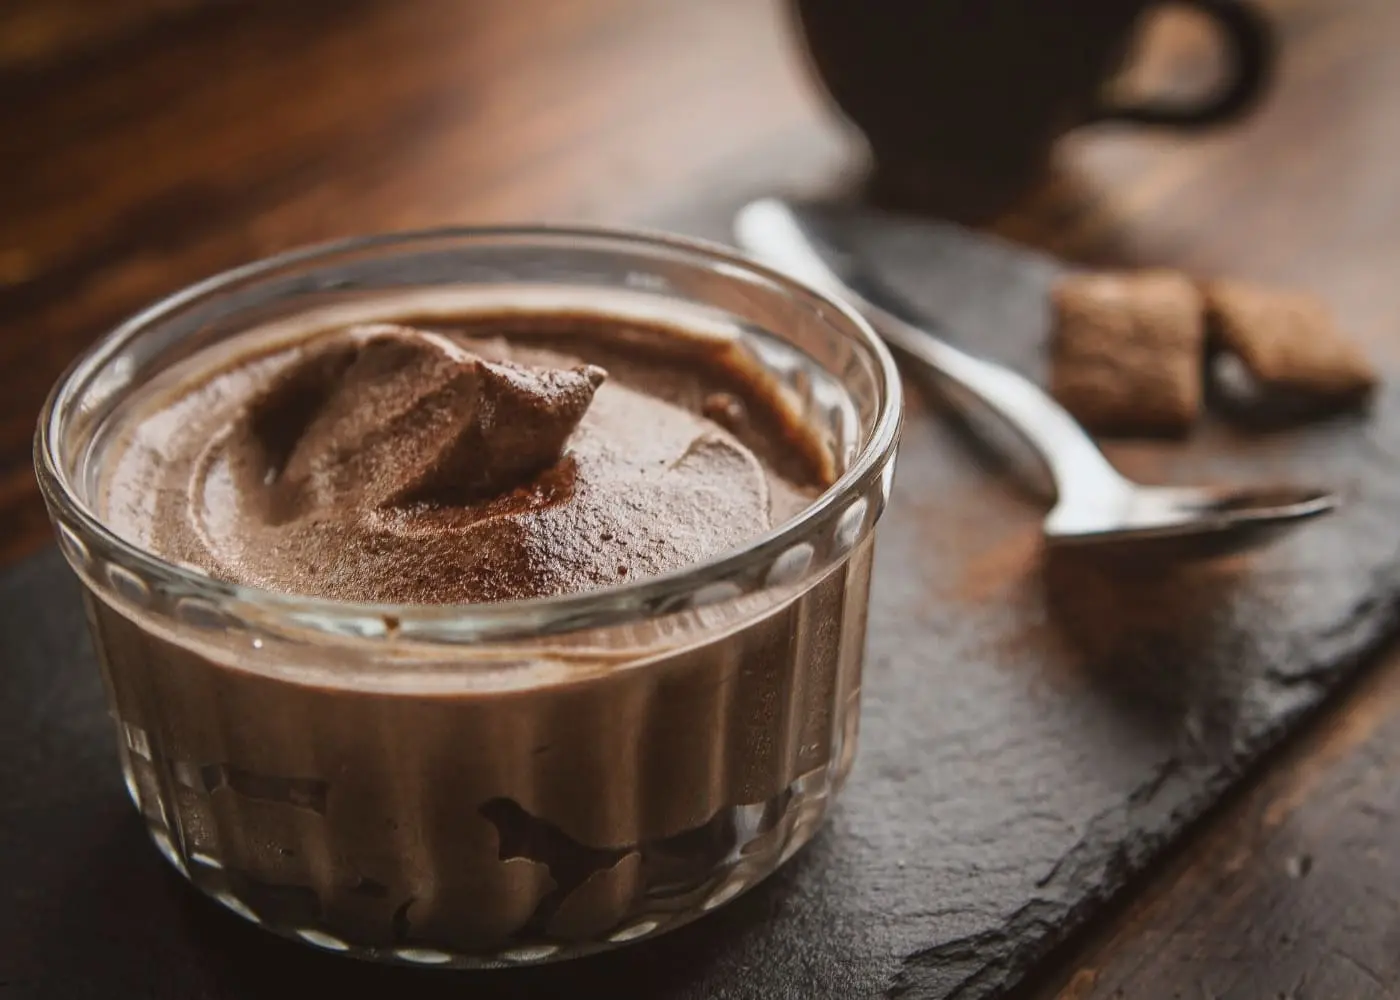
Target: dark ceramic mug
{"points": [[963, 99]]}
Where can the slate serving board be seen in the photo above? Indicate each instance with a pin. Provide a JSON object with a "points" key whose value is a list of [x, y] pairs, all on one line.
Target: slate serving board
{"points": [[1033, 732]]}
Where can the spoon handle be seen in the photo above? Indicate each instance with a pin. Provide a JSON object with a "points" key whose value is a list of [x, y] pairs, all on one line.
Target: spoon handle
{"points": [[772, 231]]}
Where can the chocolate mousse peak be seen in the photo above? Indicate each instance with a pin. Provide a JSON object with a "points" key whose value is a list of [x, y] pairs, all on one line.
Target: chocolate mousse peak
{"points": [[384, 416], [486, 460]]}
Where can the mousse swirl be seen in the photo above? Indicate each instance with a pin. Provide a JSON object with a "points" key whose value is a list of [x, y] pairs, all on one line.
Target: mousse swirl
{"points": [[384, 416], [393, 464]]}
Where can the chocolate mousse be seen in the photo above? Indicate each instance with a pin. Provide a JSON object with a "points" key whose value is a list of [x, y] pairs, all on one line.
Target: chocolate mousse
{"points": [[452, 802], [389, 463]]}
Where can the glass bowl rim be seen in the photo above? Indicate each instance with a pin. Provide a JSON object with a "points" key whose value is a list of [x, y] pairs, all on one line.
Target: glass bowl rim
{"points": [[609, 606]]}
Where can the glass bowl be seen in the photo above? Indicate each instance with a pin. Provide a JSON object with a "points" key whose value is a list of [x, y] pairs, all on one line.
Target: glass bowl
{"points": [[488, 784]]}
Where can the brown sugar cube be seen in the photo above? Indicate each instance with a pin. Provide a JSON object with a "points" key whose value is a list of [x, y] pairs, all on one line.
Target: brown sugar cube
{"points": [[1288, 341], [1127, 351]]}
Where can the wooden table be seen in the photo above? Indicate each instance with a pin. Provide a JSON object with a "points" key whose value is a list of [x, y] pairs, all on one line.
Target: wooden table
{"points": [[148, 144]]}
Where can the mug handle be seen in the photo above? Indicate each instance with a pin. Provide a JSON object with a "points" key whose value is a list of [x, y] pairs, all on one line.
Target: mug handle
{"points": [[1250, 41]]}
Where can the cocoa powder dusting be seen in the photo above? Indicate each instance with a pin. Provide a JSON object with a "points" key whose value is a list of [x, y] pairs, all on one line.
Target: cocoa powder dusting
{"points": [[388, 463], [388, 416]]}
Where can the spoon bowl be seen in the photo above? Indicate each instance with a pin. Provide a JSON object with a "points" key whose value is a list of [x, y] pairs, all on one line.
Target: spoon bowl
{"points": [[1188, 522]]}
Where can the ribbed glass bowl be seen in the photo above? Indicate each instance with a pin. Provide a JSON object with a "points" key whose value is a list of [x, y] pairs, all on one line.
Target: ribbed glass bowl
{"points": [[498, 783]]}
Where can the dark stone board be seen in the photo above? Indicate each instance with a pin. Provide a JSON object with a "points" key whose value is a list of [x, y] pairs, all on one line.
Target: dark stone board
{"points": [[1034, 732]]}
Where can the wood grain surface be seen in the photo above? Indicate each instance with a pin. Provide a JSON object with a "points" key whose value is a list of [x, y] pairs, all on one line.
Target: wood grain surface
{"points": [[1290, 894], [142, 154]]}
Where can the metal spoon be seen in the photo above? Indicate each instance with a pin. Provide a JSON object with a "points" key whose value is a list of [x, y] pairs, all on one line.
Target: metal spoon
{"points": [[1096, 505]]}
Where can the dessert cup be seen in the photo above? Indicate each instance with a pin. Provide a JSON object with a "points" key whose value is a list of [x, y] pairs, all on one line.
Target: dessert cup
{"points": [[475, 785]]}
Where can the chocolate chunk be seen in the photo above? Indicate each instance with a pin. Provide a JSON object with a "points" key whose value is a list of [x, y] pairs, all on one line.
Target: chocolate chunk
{"points": [[1127, 350], [1289, 342], [386, 415]]}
